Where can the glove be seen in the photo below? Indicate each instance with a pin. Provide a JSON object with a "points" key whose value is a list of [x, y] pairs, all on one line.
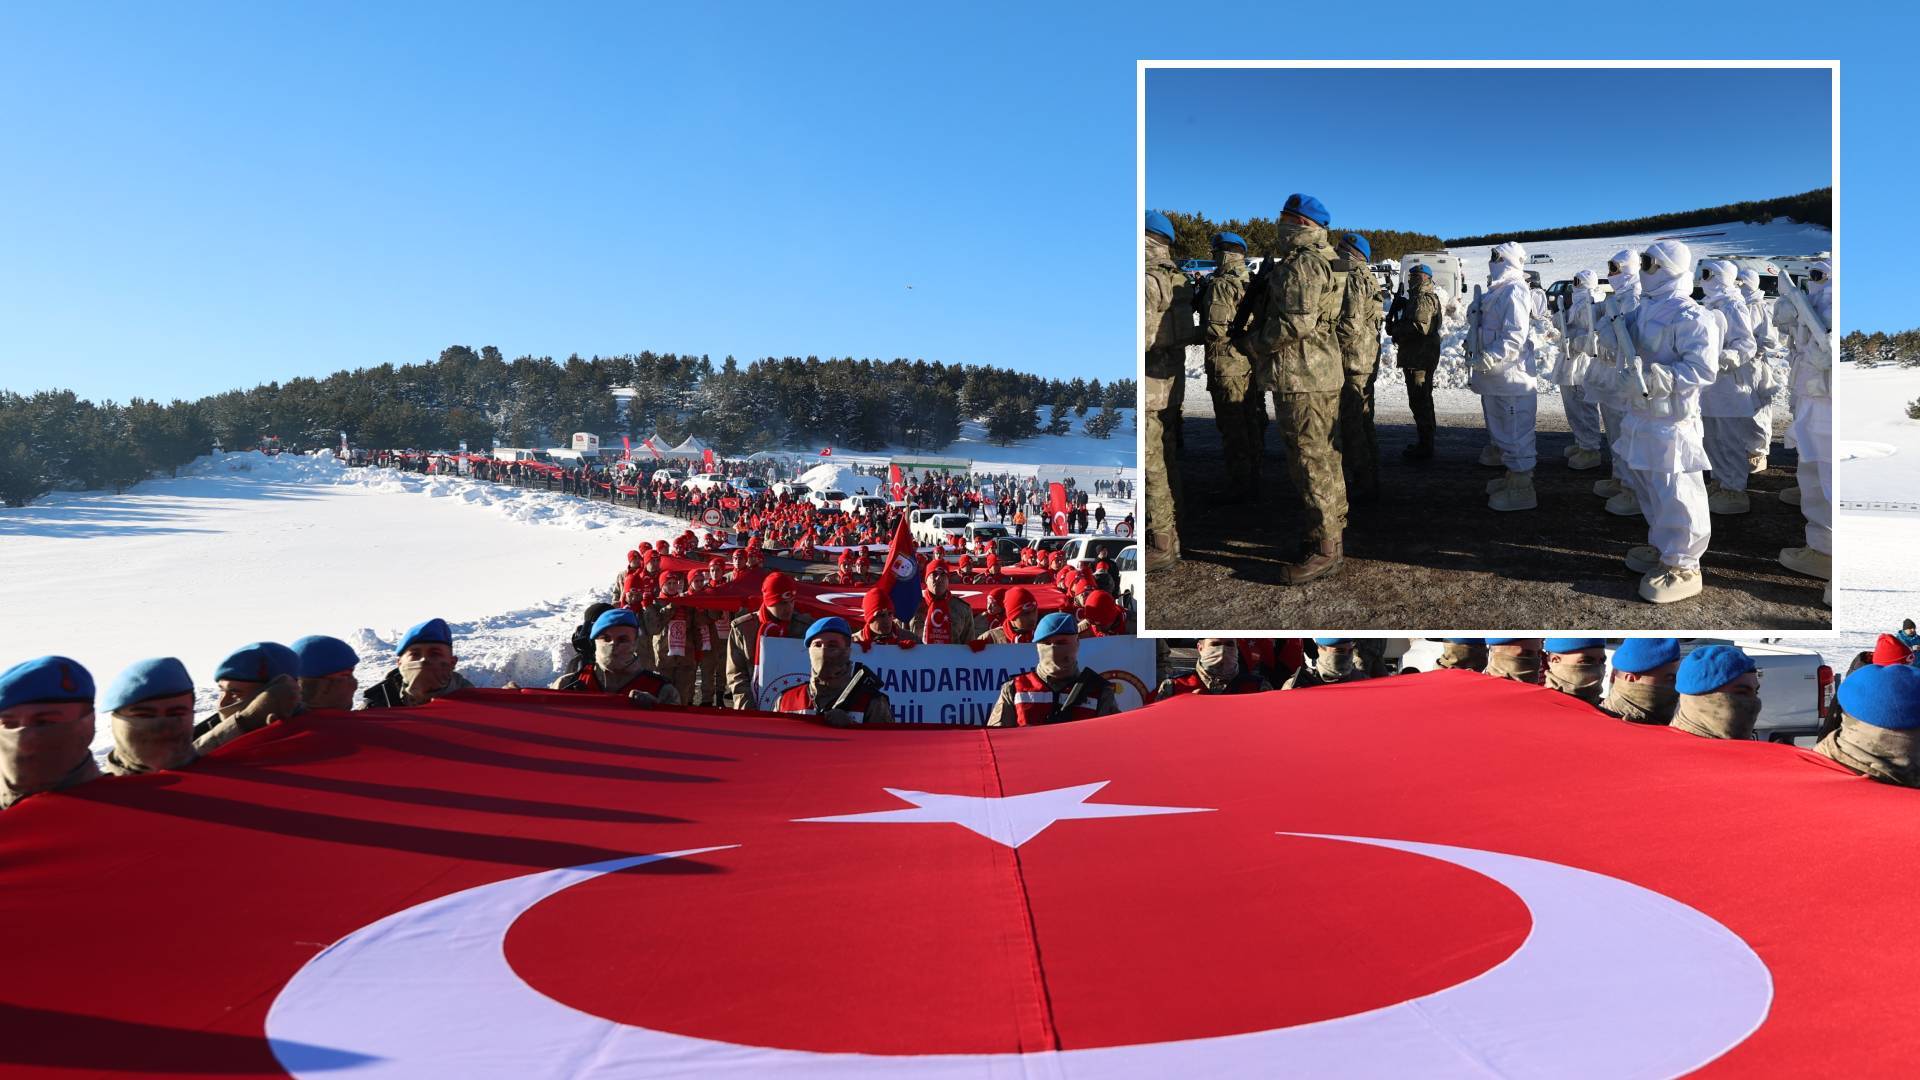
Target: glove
{"points": [[1659, 380], [1729, 360], [977, 645], [909, 643], [278, 700], [640, 699]]}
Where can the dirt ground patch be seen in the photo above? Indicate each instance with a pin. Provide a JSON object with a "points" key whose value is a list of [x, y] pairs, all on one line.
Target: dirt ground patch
{"points": [[1430, 555]]}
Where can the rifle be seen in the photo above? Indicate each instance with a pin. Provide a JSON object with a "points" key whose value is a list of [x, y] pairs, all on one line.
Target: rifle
{"points": [[863, 680], [1623, 343], [1816, 327], [1473, 331], [1089, 682]]}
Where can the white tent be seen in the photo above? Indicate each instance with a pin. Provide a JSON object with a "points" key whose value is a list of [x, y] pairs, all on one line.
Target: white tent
{"points": [[693, 448], [665, 447]]}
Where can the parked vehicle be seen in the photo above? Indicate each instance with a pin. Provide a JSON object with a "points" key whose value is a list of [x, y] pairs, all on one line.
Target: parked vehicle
{"points": [[1449, 276], [704, 482], [942, 528], [863, 505], [1083, 552], [1126, 566], [791, 490], [986, 530], [829, 499]]}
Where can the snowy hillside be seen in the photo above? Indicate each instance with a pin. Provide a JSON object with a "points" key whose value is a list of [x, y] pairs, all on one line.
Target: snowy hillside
{"points": [[1077, 448], [1877, 451], [1777, 237], [242, 547]]}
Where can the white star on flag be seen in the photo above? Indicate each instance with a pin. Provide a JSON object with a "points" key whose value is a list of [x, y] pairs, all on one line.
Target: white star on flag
{"points": [[1006, 819]]}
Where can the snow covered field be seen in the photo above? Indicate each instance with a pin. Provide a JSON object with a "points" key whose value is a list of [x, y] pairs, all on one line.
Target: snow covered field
{"points": [[1877, 449], [243, 547], [1076, 449]]}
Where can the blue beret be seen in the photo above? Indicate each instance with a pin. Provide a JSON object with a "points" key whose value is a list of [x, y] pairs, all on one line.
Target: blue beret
{"points": [[262, 661], [321, 655], [1330, 640], [48, 679], [431, 632], [1307, 207], [144, 681], [832, 624], [1465, 641], [1710, 667], [1423, 268], [1054, 625], [1642, 654], [1571, 644], [613, 617], [1157, 223], [1884, 695], [1226, 238], [1505, 640], [1360, 244]]}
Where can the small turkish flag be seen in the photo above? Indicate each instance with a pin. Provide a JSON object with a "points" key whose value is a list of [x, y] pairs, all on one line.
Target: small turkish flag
{"points": [[827, 452]]}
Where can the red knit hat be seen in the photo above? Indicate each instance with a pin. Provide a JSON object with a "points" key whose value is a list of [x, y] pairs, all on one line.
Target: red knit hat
{"points": [[874, 602], [776, 587], [1890, 650], [1100, 609]]}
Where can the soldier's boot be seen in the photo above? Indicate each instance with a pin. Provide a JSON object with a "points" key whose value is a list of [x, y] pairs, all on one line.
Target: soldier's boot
{"points": [[1805, 560], [1516, 495], [1724, 501], [1316, 561], [1419, 451], [1666, 584], [1643, 558], [1498, 482], [1609, 487], [1790, 495], [1569, 450], [1582, 460], [1490, 455], [1163, 549], [1625, 504]]}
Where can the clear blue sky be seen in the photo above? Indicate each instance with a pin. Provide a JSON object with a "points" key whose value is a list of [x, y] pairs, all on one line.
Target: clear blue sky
{"points": [[199, 196], [1460, 152]]}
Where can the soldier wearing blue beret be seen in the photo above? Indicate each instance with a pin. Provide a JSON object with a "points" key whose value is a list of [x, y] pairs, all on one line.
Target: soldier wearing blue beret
{"points": [[1577, 667], [46, 728], [1642, 689], [1719, 693]]}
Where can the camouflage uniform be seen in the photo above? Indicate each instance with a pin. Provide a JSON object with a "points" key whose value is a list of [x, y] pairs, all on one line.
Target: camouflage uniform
{"points": [[1359, 336], [1169, 310], [1416, 339], [1230, 379], [1301, 314]]}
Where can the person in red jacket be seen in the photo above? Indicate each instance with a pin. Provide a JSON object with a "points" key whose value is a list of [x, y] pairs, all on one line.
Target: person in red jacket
{"points": [[1217, 672], [840, 692], [1058, 689], [1022, 616], [879, 626], [616, 666], [1100, 616]]}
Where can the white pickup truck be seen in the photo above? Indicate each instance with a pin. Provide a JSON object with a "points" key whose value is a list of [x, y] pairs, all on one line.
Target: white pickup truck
{"points": [[941, 528], [1796, 685]]}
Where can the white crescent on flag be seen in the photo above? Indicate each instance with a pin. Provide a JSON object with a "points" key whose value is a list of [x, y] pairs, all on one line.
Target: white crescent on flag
{"points": [[1613, 980]]}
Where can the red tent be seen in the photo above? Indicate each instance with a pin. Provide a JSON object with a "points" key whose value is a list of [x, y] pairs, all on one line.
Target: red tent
{"points": [[1431, 875]]}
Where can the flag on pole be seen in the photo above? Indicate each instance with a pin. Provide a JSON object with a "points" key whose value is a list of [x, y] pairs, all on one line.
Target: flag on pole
{"points": [[706, 460], [1057, 508], [626, 447], [902, 573], [898, 484]]}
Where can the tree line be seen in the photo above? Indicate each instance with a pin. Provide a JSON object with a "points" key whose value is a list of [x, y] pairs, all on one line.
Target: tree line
{"points": [[1808, 208], [1194, 237], [54, 440]]}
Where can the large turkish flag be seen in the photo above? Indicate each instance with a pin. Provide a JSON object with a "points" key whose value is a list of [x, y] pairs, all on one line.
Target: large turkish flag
{"points": [[1431, 875]]}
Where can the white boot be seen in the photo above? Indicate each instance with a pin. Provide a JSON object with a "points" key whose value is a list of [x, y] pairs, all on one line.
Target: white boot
{"points": [[1757, 463], [1805, 560], [1665, 584], [1723, 501], [1643, 558], [1609, 487], [1790, 495], [1499, 482], [1490, 455], [1624, 504], [1515, 494], [1582, 460]]}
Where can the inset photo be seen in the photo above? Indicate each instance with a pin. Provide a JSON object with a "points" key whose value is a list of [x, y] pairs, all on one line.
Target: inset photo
{"points": [[1478, 346]]}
